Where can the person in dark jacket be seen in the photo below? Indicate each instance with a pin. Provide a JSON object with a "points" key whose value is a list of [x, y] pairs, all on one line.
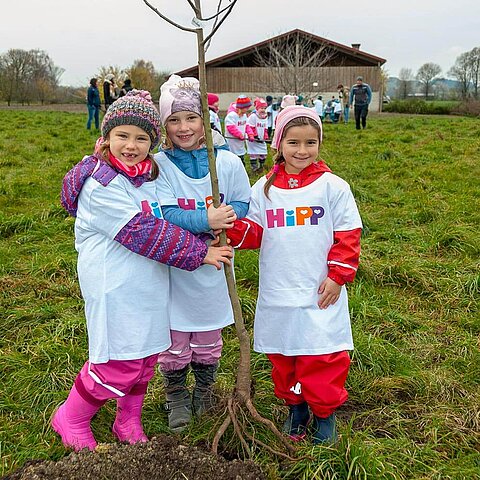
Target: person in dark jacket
{"points": [[109, 93], [93, 104], [362, 94], [126, 87]]}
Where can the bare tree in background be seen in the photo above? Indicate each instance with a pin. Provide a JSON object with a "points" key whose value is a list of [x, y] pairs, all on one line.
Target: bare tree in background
{"points": [[426, 74], [463, 74], [474, 62], [405, 85], [27, 75], [242, 396], [144, 76], [293, 62]]}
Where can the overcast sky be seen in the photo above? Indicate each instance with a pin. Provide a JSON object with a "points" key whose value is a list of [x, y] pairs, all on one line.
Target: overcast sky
{"points": [[83, 35]]}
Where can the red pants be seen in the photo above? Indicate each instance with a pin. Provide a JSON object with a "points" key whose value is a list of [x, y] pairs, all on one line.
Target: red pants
{"points": [[318, 380]]}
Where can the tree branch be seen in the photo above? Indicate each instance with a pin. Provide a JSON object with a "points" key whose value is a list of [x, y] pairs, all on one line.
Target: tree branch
{"points": [[171, 22], [214, 30]]}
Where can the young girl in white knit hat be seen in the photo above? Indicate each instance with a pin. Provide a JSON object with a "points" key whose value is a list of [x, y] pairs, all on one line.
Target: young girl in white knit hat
{"points": [[124, 250], [200, 305], [305, 221]]}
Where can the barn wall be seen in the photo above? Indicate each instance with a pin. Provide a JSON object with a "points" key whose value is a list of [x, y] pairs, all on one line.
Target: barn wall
{"points": [[257, 79]]}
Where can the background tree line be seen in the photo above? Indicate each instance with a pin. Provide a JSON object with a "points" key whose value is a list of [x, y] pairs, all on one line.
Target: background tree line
{"points": [[30, 76], [427, 81]]}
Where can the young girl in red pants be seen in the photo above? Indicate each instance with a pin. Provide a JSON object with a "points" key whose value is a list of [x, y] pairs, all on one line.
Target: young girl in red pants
{"points": [[305, 221]]}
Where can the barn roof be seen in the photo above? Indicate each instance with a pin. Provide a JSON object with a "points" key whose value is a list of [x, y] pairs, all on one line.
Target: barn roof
{"points": [[243, 56]]}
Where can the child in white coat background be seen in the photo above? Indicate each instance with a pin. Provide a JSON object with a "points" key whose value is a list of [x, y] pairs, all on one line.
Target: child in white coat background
{"points": [[235, 126], [305, 221], [200, 304], [257, 132], [124, 250]]}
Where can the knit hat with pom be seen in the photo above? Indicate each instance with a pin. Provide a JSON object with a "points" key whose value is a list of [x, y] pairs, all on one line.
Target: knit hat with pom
{"points": [[135, 108], [243, 102], [260, 103], [288, 101]]}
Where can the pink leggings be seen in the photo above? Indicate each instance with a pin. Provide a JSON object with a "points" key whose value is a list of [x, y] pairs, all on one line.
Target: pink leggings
{"points": [[199, 347], [99, 382]]}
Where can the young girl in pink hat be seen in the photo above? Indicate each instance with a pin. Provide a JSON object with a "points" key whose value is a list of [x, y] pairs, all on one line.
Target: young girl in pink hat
{"points": [[125, 248], [305, 221]]}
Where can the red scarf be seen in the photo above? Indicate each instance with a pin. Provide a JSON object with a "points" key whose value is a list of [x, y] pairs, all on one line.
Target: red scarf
{"points": [[134, 171]]}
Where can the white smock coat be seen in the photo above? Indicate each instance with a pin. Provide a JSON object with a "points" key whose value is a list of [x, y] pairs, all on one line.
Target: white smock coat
{"points": [[126, 294], [257, 147], [199, 300], [298, 227]]}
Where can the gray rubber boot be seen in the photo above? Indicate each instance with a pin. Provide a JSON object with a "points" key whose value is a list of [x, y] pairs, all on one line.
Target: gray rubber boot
{"points": [[178, 404], [203, 394]]}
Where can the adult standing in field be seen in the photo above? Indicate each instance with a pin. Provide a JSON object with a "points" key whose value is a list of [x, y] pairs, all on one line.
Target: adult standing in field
{"points": [[93, 104], [109, 94], [343, 95], [362, 94]]}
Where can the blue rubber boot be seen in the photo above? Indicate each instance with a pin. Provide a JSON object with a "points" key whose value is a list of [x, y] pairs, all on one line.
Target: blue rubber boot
{"points": [[295, 425], [325, 430]]}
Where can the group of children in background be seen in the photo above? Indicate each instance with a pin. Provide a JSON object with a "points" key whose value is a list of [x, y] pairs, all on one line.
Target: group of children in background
{"points": [[150, 269]]}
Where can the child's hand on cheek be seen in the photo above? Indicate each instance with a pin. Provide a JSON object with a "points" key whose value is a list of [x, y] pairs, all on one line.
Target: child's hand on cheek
{"points": [[221, 217], [329, 293]]}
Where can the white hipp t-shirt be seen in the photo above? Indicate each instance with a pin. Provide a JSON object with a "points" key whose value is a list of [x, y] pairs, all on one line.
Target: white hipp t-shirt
{"points": [[257, 147], [236, 145], [298, 227], [199, 300], [126, 294]]}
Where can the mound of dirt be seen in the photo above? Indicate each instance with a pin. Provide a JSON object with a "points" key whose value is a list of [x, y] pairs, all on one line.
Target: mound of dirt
{"points": [[161, 458]]}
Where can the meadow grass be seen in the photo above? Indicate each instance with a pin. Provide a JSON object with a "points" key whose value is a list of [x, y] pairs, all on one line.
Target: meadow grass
{"points": [[413, 411]]}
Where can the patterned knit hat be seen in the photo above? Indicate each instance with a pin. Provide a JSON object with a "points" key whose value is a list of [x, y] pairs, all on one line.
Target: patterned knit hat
{"points": [[135, 108], [179, 94], [243, 102]]}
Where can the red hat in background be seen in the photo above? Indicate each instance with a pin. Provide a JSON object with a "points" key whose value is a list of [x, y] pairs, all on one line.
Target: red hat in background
{"points": [[260, 103]]}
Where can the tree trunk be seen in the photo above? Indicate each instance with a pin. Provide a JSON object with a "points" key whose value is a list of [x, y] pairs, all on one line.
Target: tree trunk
{"points": [[243, 372]]}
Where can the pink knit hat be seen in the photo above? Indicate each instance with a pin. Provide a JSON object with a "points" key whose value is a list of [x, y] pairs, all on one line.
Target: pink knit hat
{"points": [[260, 103], [288, 100], [288, 114], [179, 94], [212, 98]]}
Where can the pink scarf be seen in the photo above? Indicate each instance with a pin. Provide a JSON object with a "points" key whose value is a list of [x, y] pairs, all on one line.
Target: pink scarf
{"points": [[134, 171]]}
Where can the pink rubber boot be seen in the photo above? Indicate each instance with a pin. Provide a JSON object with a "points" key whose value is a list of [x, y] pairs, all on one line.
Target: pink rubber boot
{"points": [[72, 422], [128, 423]]}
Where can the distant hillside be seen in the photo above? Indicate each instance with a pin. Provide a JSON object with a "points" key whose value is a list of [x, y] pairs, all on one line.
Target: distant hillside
{"points": [[441, 87]]}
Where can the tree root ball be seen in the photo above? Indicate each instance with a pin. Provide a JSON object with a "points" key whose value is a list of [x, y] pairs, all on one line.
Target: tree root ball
{"points": [[161, 458]]}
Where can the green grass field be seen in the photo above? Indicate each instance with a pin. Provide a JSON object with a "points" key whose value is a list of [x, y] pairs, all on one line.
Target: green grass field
{"points": [[414, 406]]}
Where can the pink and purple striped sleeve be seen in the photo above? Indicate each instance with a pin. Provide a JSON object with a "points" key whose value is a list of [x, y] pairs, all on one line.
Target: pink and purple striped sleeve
{"points": [[162, 242]]}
